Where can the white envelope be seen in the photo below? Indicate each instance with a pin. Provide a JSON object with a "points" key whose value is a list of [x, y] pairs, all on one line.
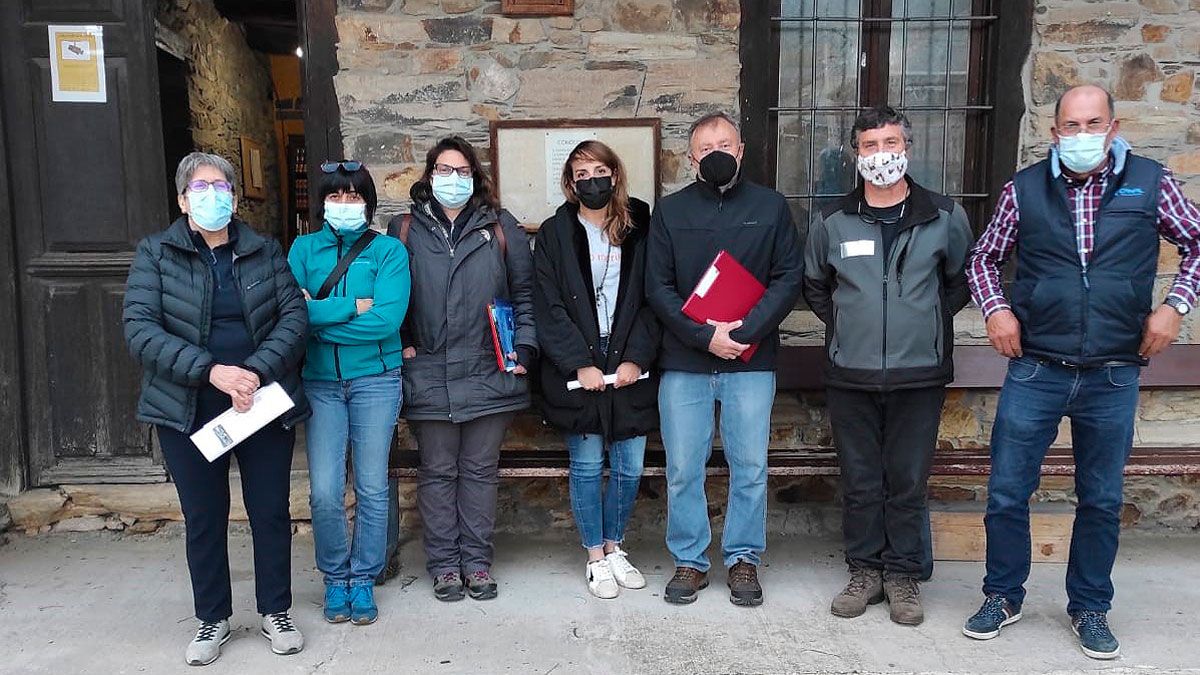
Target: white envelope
{"points": [[231, 427]]}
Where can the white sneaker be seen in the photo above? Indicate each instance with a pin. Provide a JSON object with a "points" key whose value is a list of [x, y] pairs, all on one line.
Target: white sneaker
{"points": [[600, 580], [284, 636], [625, 573], [206, 646]]}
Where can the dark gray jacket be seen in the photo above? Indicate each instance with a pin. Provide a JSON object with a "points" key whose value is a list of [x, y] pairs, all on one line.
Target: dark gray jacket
{"points": [[454, 377], [889, 322], [167, 317]]}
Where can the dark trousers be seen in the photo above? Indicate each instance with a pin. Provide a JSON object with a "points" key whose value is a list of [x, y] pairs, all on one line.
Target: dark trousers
{"points": [[456, 491], [1102, 405], [265, 463], [885, 443]]}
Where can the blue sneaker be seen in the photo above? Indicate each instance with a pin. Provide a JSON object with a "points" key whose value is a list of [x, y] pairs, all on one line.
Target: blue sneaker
{"points": [[996, 613], [362, 605], [1095, 639], [337, 604]]}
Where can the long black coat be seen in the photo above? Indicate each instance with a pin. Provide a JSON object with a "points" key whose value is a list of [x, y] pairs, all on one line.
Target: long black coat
{"points": [[569, 331], [168, 316]]}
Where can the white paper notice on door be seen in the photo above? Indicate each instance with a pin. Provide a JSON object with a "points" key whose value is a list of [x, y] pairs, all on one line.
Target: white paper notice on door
{"points": [[232, 427]]}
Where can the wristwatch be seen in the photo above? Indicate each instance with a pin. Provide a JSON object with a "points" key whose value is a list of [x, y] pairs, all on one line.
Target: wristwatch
{"points": [[1179, 305]]}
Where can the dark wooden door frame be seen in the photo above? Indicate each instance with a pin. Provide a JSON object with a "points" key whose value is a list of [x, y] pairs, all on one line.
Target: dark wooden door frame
{"points": [[322, 116], [12, 402]]}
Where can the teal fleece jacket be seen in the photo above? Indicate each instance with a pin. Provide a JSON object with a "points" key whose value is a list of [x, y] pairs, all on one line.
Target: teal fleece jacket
{"points": [[342, 343]]}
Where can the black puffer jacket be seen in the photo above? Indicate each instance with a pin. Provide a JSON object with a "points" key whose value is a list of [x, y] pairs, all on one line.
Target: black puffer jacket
{"points": [[569, 331], [454, 376], [167, 316]]}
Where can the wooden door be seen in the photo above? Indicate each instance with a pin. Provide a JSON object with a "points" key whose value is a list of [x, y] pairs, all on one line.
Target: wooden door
{"points": [[86, 184]]}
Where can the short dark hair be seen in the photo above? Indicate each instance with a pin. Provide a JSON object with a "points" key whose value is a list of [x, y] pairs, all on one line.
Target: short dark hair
{"points": [[484, 194], [1112, 103], [877, 117], [342, 180]]}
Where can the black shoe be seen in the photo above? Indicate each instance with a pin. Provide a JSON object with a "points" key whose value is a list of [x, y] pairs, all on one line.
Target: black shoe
{"points": [[744, 589], [1095, 638], [448, 587], [685, 585]]}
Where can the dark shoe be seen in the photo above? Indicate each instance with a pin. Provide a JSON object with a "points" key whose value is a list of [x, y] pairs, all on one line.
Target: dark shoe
{"points": [[683, 587], [390, 570], [448, 587], [744, 589], [481, 586], [865, 588], [995, 613], [1095, 639], [362, 605], [904, 596]]}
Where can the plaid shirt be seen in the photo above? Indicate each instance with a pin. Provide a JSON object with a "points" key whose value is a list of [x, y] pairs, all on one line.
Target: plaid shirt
{"points": [[1178, 223]]}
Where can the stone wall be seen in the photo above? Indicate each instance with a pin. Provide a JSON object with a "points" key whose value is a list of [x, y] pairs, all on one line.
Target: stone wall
{"points": [[413, 71], [231, 96]]}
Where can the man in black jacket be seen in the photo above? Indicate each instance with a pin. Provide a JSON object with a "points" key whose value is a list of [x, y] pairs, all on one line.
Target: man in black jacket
{"points": [[884, 271], [701, 364]]}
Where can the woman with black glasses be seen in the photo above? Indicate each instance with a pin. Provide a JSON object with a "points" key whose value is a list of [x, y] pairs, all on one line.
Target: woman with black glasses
{"points": [[356, 284], [211, 314], [466, 254]]}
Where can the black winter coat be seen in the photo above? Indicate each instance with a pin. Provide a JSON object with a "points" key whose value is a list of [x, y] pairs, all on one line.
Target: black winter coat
{"points": [[454, 376], [569, 332], [167, 317]]}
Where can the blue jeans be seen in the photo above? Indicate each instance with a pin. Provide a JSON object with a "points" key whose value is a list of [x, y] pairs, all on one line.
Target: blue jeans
{"points": [[361, 412], [1101, 403], [685, 403], [602, 519]]}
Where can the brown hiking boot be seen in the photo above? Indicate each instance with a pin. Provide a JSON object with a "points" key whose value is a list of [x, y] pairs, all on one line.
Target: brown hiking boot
{"points": [[904, 596], [865, 588], [683, 587], [744, 589]]}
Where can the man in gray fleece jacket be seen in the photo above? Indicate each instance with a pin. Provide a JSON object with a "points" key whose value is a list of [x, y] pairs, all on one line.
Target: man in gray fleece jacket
{"points": [[884, 269]]}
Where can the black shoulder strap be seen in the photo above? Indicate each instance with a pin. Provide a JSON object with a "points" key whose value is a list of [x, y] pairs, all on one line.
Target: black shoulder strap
{"points": [[339, 270]]}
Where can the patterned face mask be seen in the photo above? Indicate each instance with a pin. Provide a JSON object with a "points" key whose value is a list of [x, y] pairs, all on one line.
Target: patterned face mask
{"points": [[883, 169]]}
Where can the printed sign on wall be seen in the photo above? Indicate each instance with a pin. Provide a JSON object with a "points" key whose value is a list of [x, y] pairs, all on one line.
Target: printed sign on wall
{"points": [[77, 64]]}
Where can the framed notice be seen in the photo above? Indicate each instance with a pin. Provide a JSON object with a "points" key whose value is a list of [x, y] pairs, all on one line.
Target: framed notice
{"points": [[537, 7], [77, 64], [528, 158], [254, 183]]}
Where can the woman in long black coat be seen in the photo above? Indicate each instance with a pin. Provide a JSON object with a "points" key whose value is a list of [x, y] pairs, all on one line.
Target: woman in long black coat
{"points": [[592, 322]]}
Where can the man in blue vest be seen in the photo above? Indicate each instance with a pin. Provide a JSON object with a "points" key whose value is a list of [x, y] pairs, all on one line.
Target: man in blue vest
{"points": [[1078, 323]]}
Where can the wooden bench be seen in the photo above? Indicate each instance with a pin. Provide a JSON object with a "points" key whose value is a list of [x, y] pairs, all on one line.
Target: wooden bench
{"points": [[538, 451]]}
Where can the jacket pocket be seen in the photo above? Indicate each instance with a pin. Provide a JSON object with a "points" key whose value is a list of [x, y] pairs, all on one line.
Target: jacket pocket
{"points": [[422, 377]]}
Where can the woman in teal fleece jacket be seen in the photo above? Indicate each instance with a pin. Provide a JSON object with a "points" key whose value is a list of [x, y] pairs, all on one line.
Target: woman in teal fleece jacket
{"points": [[352, 380]]}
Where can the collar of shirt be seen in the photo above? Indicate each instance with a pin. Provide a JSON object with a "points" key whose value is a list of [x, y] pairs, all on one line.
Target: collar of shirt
{"points": [[1117, 151]]}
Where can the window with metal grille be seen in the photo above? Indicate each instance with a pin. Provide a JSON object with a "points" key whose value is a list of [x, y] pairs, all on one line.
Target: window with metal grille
{"points": [[952, 66]]}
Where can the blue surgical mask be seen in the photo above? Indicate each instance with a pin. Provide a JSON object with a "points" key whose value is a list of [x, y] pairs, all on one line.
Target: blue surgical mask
{"points": [[1082, 152], [211, 210], [346, 217], [452, 191]]}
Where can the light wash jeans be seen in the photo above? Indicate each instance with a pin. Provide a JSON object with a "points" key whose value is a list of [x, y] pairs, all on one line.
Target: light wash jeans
{"points": [[601, 516]]}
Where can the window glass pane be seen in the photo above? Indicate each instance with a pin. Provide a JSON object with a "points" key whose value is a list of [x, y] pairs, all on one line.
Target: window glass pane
{"points": [[833, 164], [956, 138], [925, 155], [837, 54], [791, 156]]}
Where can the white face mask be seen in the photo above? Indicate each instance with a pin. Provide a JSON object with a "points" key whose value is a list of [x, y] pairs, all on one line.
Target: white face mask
{"points": [[883, 169], [1082, 152]]}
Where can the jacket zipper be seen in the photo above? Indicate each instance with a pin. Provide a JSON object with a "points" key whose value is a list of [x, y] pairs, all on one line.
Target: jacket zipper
{"points": [[337, 365]]}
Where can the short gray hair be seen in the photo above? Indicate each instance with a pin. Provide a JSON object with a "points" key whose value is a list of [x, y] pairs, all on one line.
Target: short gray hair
{"points": [[711, 118], [188, 166]]}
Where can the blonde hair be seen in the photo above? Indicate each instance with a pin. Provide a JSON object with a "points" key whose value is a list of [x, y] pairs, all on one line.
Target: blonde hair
{"points": [[619, 221]]}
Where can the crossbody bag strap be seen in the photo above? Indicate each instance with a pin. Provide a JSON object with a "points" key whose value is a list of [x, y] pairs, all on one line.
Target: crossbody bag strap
{"points": [[339, 270]]}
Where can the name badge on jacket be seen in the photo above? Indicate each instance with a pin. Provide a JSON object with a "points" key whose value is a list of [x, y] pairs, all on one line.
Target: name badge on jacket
{"points": [[855, 249]]}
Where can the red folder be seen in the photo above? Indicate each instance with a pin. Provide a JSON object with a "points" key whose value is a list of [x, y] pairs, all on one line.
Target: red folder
{"points": [[726, 292]]}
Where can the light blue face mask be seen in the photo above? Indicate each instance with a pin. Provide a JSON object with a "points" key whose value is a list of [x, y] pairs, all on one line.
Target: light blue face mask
{"points": [[346, 217], [452, 191], [1082, 152], [211, 209]]}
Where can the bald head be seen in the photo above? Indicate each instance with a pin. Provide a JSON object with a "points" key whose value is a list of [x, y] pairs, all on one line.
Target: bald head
{"points": [[1087, 96]]}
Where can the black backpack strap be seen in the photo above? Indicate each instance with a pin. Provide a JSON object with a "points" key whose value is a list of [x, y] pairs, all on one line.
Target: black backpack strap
{"points": [[339, 270]]}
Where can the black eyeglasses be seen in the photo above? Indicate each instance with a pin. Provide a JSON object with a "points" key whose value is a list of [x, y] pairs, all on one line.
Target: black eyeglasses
{"points": [[349, 166]]}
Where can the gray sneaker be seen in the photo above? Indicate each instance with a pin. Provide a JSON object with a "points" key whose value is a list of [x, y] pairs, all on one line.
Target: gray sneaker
{"points": [[206, 646], [448, 587], [904, 596], [865, 588], [284, 636]]}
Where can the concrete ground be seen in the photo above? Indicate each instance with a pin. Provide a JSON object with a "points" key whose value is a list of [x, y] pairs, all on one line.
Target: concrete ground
{"points": [[111, 603]]}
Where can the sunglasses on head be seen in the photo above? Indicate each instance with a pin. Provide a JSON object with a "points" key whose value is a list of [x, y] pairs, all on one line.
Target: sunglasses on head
{"points": [[349, 166]]}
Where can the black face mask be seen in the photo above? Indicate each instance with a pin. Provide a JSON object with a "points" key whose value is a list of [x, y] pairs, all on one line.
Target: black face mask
{"points": [[718, 169], [594, 192]]}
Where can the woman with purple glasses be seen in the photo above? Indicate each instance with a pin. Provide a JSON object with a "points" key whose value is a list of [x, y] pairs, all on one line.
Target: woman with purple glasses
{"points": [[212, 313]]}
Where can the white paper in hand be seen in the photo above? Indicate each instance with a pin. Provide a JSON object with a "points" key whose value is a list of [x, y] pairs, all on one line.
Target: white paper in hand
{"points": [[232, 427], [609, 379]]}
